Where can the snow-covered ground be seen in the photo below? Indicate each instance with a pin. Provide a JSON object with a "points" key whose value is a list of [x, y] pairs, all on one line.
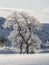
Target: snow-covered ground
{"points": [[17, 59]]}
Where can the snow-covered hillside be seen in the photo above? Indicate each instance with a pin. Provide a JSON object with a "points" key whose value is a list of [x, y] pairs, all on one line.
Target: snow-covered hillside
{"points": [[43, 34]]}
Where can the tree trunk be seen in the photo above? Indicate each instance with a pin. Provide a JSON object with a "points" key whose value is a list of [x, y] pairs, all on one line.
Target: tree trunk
{"points": [[21, 48], [27, 49]]}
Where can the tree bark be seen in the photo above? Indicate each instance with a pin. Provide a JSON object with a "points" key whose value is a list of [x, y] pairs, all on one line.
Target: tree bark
{"points": [[21, 48]]}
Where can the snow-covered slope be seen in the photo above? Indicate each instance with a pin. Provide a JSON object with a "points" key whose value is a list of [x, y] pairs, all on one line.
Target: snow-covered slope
{"points": [[43, 33]]}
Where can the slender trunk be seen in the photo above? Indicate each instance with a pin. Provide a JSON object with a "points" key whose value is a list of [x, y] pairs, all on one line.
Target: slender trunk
{"points": [[27, 49], [21, 48]]}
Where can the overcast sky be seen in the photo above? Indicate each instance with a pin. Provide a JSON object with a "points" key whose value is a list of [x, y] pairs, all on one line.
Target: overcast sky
{"points": [[40, 8]]}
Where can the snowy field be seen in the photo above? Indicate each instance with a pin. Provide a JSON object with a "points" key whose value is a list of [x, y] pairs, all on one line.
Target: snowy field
{"points": [[17, 59]]}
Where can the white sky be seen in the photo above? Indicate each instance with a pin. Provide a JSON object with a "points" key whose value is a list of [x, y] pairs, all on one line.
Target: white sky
{"points": [[39, 8]]}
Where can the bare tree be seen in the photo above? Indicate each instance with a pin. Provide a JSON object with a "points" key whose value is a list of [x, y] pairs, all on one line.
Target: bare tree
{"points": [[24, 34]]}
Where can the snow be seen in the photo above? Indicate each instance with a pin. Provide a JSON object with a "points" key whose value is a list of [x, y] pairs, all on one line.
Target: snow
{"points": [[19, 59]]}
